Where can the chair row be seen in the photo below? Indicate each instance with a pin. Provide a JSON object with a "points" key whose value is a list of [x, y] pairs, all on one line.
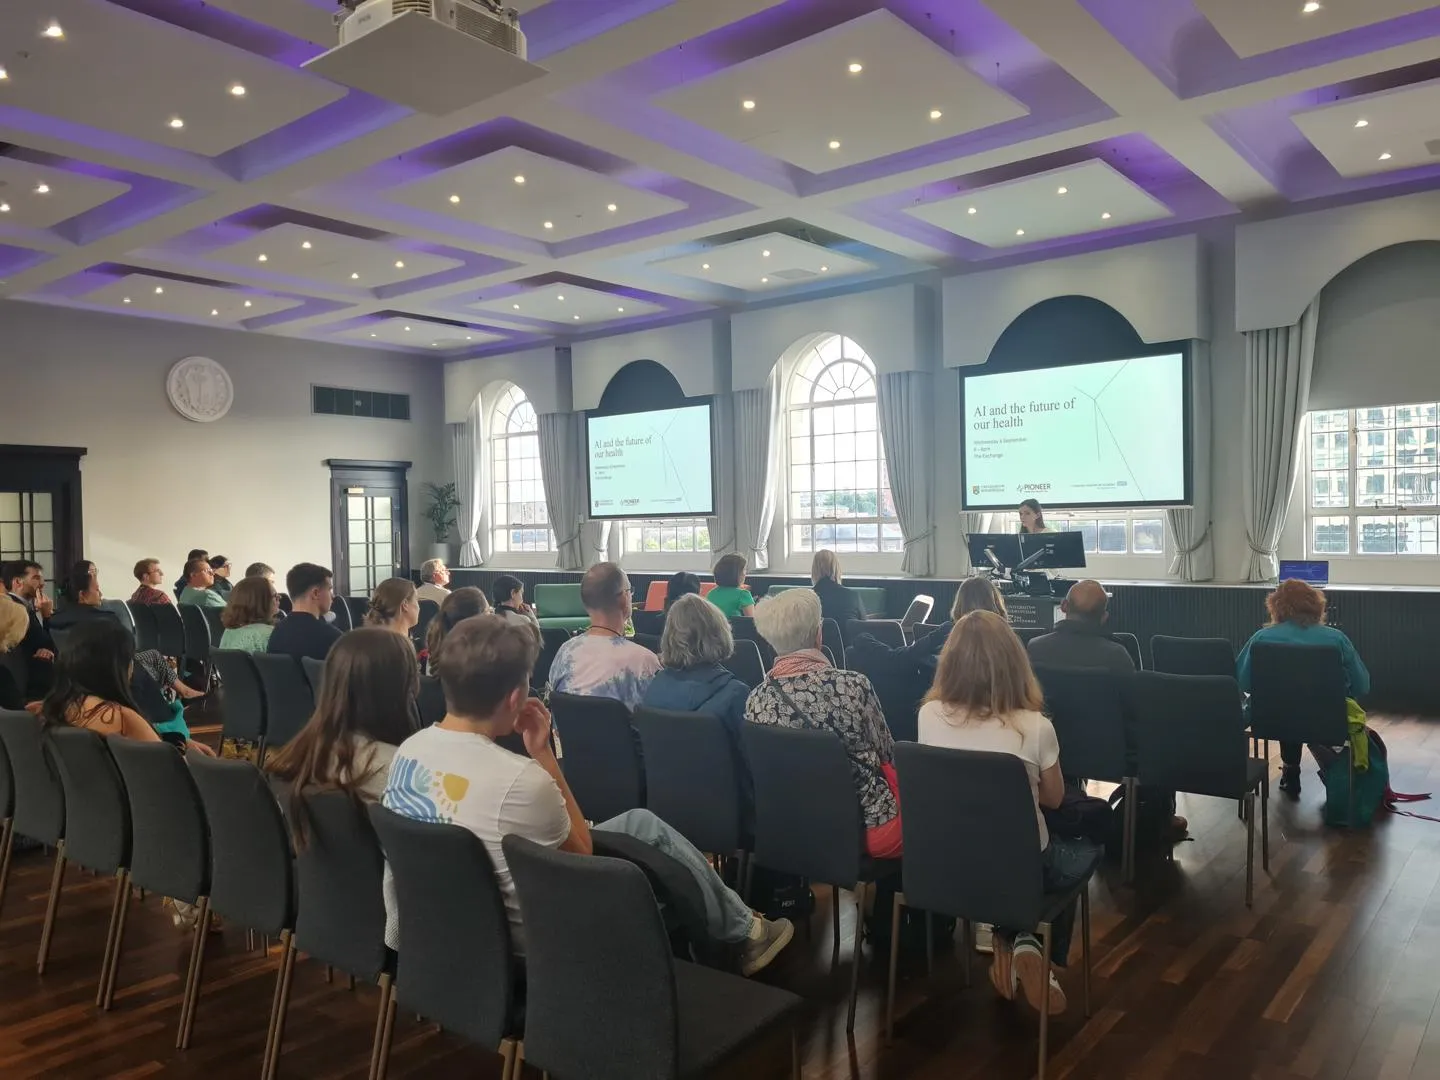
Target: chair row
{"points": [[265, 699]]}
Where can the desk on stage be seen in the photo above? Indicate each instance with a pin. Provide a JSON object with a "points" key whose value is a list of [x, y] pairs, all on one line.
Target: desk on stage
{"points": [[1031, 612]]}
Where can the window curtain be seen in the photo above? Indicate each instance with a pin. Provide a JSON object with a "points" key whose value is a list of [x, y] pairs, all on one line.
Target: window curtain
{"points": [[1190, 527], [1278, 366], [905, 402], [472, 476], [721, 524], [757, 422], [970, 522], [581, 542]]}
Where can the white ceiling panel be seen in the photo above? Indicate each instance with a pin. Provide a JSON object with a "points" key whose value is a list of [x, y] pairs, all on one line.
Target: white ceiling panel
{"points": [[418, 334], [312, 20], [764, 263], [519, 191], [316, 255], [570, 305], [119, 71], [1394, 129], [37, 197], [1077, 199], [803, 103], [186, 300], [1251, 27]]}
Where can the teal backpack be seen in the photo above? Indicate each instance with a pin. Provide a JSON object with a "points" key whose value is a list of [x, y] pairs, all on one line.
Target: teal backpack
{"points": [[1372, 785]]}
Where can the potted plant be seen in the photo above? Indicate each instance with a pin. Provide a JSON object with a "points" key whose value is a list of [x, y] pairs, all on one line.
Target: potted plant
{"points": [[441, 503]]}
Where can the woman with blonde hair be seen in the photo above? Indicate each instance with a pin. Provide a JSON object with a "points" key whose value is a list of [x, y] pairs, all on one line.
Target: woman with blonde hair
{"points": [[394, 606], [985, 697], [14, 623], [836, 601]]}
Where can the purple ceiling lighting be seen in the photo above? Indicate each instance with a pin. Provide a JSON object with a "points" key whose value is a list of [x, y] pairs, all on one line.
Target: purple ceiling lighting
{"points": [[15, 259], [561, 24], [217, 24]]}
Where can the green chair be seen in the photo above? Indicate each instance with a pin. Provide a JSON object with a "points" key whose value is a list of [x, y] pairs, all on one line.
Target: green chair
{"points": [[560, 607]]}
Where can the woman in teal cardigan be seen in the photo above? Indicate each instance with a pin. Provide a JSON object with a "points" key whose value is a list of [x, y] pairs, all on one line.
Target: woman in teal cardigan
{"points": [[1297, 617]]}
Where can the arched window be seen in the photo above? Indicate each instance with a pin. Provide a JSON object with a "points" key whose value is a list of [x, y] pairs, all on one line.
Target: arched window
{"points": [[839, 496], [519, 521]]}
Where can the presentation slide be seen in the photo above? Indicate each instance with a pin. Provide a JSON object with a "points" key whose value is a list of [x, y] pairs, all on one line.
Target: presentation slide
{"points": [[1111, 433], [651, 464]]}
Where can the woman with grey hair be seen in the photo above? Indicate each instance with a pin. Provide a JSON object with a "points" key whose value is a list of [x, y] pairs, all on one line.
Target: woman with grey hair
{"points": [[694, 646], [806, 691]]}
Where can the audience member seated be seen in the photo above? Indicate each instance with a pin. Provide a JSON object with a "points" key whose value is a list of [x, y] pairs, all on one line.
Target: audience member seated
{"points": [[806, 691], [507, 593], [306, 631], [975, 594], [259, 569], [82, 598], [836, 601], [92, 685], [434, 580], [602, 661], [730, 594], [199, 586], [1297, 617], [454, 772], [249, 616], [1080, 639], [461, 604], [25, 582], [680, 584], [14, 622], [394, 606], [195, 553], [693, 649], [220, 566], [150, 577], [986, 698]]}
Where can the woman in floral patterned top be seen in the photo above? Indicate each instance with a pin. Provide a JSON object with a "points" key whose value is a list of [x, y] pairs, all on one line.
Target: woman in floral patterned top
{"points": [[805, 690]]}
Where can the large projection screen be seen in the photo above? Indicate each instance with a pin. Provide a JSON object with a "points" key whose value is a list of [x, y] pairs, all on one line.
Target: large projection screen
{"points": [[651, 464]]}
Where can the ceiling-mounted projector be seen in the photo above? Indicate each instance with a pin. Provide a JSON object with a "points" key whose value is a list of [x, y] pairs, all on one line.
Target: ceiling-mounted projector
{"points": [[434, 56]]}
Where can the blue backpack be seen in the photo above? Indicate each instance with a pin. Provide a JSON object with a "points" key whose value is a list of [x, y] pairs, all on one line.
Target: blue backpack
{"points": [[1372, 785]]}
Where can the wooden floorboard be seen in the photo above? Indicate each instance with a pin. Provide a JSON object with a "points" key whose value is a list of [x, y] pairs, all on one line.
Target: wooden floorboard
{"points": [[1334, 974]]}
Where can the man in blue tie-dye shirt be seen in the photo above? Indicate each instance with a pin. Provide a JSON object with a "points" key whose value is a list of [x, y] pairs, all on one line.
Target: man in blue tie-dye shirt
{"points": [[603, 662]]}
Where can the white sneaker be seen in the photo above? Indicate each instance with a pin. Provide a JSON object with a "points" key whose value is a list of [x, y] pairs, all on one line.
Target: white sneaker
{"points": [[984, 937]]}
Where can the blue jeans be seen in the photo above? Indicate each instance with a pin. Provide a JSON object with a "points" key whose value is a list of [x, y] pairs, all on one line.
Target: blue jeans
{"points": [[1066, 862], [727, 917]]}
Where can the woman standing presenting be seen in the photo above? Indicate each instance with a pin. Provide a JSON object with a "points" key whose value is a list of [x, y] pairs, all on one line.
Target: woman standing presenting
{"points": [[1032, 518]]}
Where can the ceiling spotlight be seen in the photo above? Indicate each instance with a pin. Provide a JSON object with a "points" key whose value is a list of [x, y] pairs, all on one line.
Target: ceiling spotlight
{"points": [[54, 30], [704, 266], [306, 244], [399, 264], [159, 289], [214, 311], [575, 316], [176, 123], [127, 300], [519, 179], [621, 310], [249, 304], [1105, 216], [764, 280], [856, 67], [469, 338], [1061, 190], [765, 254], [407, 329], [42, 188], [972, 210], [3, 74], [824, 269], [834, 144], [612, 208], [747, 105], [559, 298], [374, 335], [454, 198], [515, 306], [354, 276], [549, 224], [1019, 232], [4, 207], [935, 114], [1385, 156], [1362, 122], [237, 90], [263, 258], [1310, 7]]}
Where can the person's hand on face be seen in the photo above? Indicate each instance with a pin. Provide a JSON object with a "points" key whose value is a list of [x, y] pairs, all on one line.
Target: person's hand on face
{"points": [[44, 606], [533, 724]]}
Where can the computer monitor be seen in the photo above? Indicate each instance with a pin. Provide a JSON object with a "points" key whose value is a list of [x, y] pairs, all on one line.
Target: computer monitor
{"points": [[1062, 550], [1314, 572], [1004, 546]]}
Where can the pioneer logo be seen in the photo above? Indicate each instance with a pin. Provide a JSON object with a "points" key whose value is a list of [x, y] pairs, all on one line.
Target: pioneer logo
{"points": [[1032, 489]]}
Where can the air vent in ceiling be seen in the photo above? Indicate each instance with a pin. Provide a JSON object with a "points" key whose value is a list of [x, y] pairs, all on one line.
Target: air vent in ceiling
{"points": [[1434, 147], [797, 274], [375, 404]]}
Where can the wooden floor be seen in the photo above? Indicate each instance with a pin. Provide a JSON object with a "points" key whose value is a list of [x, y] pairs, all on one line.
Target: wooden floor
{"points": [[1333, 975]]}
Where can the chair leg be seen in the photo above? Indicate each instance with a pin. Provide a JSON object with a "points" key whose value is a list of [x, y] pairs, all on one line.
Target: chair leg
{"points": [[795, 1053], [507, 1059], [382, 1063], [1085, 947], [929, 944], [7, 844], [108, 995], [835, 927], [1044, 1000], [260, 753], [279, 1005], [192, 982], [1265, 827], [860, 890], [387, 984], [1350, 765], [56, 880], [1127, 857], [967, 942], [1250, 850], [122, 884], [897, 908]]}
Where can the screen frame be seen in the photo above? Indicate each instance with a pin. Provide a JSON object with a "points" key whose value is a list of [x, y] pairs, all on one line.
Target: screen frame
{"points": [[1171, 348], [593, 414]]}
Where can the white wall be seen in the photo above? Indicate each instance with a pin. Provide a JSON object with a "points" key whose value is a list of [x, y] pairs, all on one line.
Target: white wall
{"points": [[252, 486], [542, 373], [688, 351]]}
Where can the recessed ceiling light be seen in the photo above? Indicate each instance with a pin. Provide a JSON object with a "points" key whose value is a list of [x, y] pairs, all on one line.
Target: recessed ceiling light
{"points": [[1310, 7], [824, 269], [159, 289], [972, 210], [469, 338], [704, 266], [1362, 122], [560, 298], [856, 67], [454, 198], [3, 73], [519, 179], [763, 280], [176, 123], [399, 264], [747, 105], [306, 244], [54, 30], [1061, 190], [407, 329], [621, 310], [374, 335], [1105, 216], [549, 224], [1385, 156], [575, 316], [515, 306], [765, 254], [263, 258], [127, 300], [834, 144], [214, 311], [4, 207], [42, 188], [237, 90], [1019, 232], [434, 344], [248, 304], [354, 277], [935, 114], [612, 208]]}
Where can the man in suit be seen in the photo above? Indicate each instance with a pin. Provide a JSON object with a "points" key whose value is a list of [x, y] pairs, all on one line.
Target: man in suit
{"points": [[25, 583]]}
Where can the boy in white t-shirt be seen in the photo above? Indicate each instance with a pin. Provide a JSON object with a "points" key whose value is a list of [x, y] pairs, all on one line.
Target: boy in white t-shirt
{"points": [[453, 772]]}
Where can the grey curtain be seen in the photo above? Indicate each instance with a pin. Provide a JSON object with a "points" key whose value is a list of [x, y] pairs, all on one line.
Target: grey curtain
{"points": [[970, 522], [562, 468], [1278, 366], [1190, 527], [467, 443], [757, 421], [905, 403], [723, 537]]}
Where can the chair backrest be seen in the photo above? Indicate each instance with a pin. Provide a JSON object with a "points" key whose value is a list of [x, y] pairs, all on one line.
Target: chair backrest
{"points": [[600, 760], [428, 610], [1131, 645], [214, 625], [7, 787], [918, 611], [742, 628], [169, 630], [1297, 693], [431, 701], [1192, 656], [242, 700], [972, 840], [97, 816], [314, 673], [339, 870], [655, 594], [197, 631], [807, 814], [1190, 733], [121, 610], [745, 663], [457, 967], [692, 780], [15, 663], [60, 639], [252, 879], [341, 610], [886, 631], [598, 1005], [834, 640], [1088, 710], [39, 799], [147, 632], [289, 701], [649, 623], [551, 638], [170, 851]]}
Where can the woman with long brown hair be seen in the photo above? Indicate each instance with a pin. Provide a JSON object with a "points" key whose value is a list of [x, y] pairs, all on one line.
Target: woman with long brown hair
{"points": [[394, 606], [985, 697], [249, 615], [1297, 617], [461, 604]]}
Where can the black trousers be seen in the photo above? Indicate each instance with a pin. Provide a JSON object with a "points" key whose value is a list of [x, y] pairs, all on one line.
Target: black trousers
{"points": [[1290, 754]]}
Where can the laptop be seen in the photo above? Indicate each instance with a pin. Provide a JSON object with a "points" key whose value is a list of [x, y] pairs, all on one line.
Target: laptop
{"points": [[1314, 572]]}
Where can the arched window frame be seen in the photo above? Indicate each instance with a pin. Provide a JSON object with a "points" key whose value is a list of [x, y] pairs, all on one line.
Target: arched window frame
{"points": [[519, 527]]}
